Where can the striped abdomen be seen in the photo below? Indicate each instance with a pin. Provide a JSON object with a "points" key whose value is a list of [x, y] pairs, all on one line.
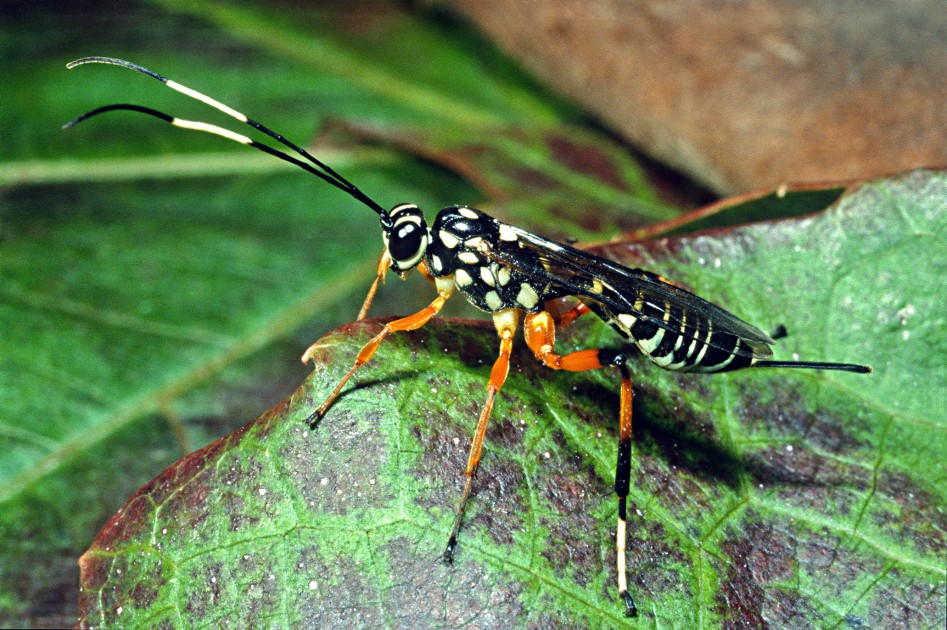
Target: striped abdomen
{"points": [[683, 341]]}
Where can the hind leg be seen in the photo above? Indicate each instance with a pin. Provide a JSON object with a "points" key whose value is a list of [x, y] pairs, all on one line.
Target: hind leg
{"points": [[540, 334]]}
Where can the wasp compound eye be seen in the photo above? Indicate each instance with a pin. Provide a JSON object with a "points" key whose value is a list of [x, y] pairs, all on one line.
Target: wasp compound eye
{"points": [[405, 241]]}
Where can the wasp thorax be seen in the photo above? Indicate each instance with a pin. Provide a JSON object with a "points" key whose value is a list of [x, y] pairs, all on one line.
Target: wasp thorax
{"points": [[407, 237]]}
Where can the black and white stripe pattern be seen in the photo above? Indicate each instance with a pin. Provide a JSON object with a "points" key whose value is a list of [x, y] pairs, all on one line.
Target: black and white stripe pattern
{"points": [[680, 341]]}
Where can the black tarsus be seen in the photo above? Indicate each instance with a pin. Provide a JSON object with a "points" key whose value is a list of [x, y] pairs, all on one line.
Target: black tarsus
{"points": [[448, 555], [313, 419], [630, 609]]}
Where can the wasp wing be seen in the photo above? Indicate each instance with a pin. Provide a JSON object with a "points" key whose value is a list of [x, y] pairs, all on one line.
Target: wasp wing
{"points": [[617, 289]]}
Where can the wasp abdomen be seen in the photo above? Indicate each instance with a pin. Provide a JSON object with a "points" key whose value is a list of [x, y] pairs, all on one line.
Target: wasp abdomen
{"points": [[678, 341]]}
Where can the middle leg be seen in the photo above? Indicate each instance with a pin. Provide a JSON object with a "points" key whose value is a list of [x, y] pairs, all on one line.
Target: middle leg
{"points": [[506, 322]]}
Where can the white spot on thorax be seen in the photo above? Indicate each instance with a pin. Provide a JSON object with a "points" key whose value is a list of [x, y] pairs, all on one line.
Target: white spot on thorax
{"points": [[503, 275], [468, 257], [507, 233], [450, 241], [463, 278], [527, 296], [492, 299]]}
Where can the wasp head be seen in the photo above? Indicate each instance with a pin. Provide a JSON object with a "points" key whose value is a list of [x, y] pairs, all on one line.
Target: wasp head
{"points": [[406, 237]]}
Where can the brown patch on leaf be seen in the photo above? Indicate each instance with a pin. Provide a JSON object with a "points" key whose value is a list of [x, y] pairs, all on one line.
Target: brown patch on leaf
{"points": [[203, 600], [567, 487], [445, 595], [909, 513], [336, 596], [761, 555], [787, 413], [495, 500], [586, 158], [343, 481]]}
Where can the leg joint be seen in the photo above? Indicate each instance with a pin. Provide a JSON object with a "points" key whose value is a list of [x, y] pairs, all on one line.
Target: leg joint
{"points": [[612, 357]]}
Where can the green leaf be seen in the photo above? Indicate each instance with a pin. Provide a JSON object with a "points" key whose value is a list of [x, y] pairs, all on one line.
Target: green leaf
{"points": [[157, 287], [782, 497]]}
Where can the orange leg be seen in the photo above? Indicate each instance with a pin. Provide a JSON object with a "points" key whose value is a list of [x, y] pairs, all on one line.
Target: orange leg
{"points": [[572, 314], [506, 322], [411, 322], [540, 331], [383, 263]]}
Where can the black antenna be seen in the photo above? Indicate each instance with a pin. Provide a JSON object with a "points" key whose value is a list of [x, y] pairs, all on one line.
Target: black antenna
{"points": [[315, 165]]}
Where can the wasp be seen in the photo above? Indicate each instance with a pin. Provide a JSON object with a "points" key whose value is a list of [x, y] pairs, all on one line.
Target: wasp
{"points": [[516, 276]]}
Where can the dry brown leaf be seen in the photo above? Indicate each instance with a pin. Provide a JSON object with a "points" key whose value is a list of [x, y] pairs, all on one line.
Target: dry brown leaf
{"points": [[744, 95]]}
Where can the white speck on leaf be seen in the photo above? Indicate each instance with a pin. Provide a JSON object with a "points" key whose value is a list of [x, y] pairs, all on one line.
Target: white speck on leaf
{"points": [[905, 313]]}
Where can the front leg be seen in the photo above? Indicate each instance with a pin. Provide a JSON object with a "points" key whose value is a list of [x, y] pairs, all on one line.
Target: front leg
{"points": [[384, 262], [411, 322]]}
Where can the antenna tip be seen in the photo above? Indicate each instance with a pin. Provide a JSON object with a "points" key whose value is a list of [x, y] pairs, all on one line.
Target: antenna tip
{"points": [[82, 61]]}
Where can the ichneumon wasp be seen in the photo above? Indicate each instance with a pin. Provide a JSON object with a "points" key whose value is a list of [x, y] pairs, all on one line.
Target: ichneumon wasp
{"points": [[513, 274]]}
